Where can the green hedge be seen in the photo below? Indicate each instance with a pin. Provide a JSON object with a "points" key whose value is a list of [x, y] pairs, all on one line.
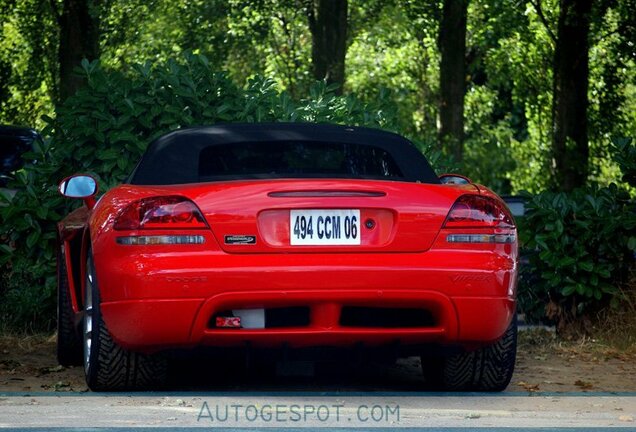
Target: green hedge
{"points": [[580, 248], [104, 129]]}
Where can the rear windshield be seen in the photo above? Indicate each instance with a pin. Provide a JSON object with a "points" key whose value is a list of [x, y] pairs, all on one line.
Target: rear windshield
{"points": [[295, 159], [240, 151]]}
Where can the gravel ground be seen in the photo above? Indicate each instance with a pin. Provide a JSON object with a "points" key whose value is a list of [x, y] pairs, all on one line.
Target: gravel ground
{"points": [[544, 364]]}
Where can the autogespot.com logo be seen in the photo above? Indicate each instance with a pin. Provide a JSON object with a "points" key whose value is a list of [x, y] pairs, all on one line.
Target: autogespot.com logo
{"points": [[280, 414]]}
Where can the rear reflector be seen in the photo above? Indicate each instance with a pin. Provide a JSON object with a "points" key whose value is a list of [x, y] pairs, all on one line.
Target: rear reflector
{"points": [[228, 322], [481, 238], [161, 240]]}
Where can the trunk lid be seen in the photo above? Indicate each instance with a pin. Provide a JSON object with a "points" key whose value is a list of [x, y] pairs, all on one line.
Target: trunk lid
{"points": [[267, 216]]}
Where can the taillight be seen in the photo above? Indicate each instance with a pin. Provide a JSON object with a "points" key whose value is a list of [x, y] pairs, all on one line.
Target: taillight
{"points": [[474, 211], [169, 212]]}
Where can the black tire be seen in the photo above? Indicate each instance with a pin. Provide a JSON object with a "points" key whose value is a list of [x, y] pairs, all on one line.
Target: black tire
{"points": [[109, 367], [486, 369], [69, 343]]}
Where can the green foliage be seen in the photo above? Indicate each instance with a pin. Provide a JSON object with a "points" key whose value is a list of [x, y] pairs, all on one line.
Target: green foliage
{"points": [[27, 250], [514, 53], [27, 303], [391, 54], [580, 245], [104, 129], [488, 157], [27, 61], [244, 38], [390, 44], [624, 153]]}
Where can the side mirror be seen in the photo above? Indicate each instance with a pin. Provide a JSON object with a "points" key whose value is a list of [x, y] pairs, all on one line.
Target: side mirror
{"points": [[454, 179], [516, 204], [80, 186]]}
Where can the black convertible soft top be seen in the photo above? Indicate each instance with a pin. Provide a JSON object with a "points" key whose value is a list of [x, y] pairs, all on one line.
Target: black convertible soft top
{"points": [[176, 158]]}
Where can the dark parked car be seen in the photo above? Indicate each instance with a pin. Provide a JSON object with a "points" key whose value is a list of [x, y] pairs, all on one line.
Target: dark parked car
{"points": [[516, 204], [14, 142]]}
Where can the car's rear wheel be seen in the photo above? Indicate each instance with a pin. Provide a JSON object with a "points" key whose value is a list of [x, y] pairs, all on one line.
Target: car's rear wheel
{"points": [[489, 368], [108, 366], [69, 342]]}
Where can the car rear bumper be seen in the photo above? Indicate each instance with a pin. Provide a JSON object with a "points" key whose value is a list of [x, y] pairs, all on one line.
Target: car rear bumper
{"points": [[170, 301], [160, 324]]}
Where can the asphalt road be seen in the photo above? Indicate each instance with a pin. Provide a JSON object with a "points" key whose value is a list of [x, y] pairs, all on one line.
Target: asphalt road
{"points": [[306, 410]]}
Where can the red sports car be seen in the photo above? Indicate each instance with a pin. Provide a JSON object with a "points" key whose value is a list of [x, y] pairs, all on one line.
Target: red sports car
{"points": [[296, 235]]}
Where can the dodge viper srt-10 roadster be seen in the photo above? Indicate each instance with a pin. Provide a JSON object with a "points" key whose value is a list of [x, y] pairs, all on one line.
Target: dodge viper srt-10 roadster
{"points": [[286, 236]]}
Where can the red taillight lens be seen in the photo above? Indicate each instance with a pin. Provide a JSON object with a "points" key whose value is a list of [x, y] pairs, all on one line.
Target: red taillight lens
{"points": [[474, 211], [171, 212]]}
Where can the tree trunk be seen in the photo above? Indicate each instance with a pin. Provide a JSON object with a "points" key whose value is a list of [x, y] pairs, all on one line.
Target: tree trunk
{"points": [[452, 46], [570, 101], [328, 26], [79, 39]]}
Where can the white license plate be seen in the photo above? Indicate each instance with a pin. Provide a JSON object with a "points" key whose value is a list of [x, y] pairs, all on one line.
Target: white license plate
{"points": [[324, 227]]}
